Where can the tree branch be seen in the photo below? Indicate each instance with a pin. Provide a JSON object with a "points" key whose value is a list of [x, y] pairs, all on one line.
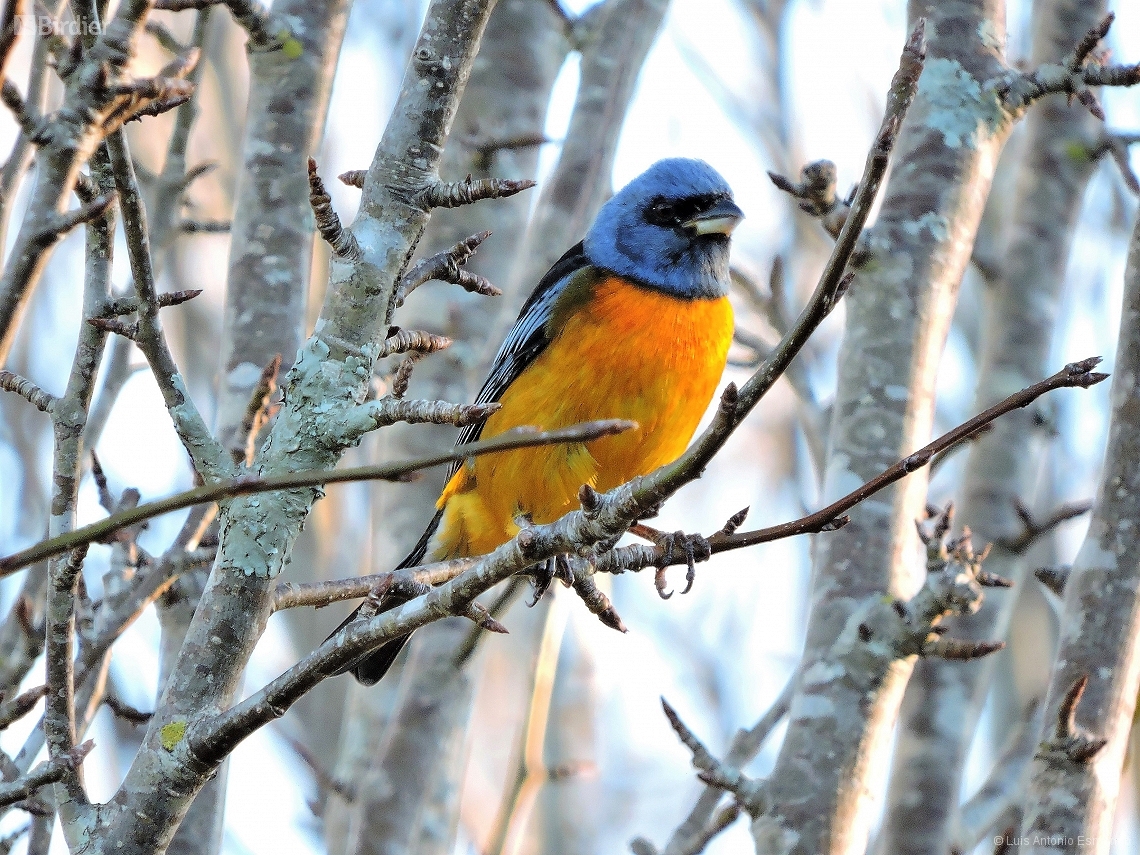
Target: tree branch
{"points": [[29, 391], [250, 485], [49, 772]]}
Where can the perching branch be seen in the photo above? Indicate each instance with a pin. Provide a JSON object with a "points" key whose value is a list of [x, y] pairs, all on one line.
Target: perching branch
{"points": [[636, 557]]}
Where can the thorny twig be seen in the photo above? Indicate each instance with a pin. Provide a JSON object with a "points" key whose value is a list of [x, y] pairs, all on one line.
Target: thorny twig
{"points": [[1032, 529], [447, 266], [1074, 76], [1070, 744]]}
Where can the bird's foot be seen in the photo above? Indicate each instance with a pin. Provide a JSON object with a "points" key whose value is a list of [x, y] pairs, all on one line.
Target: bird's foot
{"points": [[557, 567], [693, 547]]}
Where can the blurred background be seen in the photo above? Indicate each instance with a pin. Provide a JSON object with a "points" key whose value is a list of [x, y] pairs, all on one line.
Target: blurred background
{"points": [[748, 86]]}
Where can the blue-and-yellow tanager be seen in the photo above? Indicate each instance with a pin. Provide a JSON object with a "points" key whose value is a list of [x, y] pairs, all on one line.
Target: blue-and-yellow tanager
{"points": [[634, 323]]}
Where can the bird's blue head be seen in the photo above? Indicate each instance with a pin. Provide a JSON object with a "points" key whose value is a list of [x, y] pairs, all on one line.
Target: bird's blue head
{"points": [[668, 229]]}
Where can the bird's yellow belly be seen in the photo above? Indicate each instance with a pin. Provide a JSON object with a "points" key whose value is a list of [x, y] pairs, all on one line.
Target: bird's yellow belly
{"points": [[629, 353]]}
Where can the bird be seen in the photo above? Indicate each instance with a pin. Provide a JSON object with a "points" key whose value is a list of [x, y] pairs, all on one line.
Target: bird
{"points": [[633, 322]]}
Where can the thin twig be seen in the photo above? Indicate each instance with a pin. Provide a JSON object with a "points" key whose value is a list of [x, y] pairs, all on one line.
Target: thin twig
{"points": [[447, 266], [1073, 375], [469, 191], [248, 485], [29, 391], [700, 825], [49, 772]]}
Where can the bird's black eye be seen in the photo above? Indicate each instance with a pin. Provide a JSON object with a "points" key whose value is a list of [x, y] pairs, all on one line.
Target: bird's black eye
{"points": [[662, 213], [671, 213]]}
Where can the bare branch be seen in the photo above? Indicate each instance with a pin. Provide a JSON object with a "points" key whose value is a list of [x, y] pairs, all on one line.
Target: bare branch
{"points": [[263, 28], [342, 242], [390, 409], [1073, 375], [249, 485], [469, 191], [1054, 578], [15, 709], [257, 412], [49, 772], [1070, 743], [207, 454], [694, 834], [714, 772], [404, 341], [125, 711], [29, 391], [816, 192], [14, 101], [1074, 76], [980, 815], [129, 305], [205, 227], [1032, 529], [597, 602], [114, 325], [448, 267], [353, 178]]}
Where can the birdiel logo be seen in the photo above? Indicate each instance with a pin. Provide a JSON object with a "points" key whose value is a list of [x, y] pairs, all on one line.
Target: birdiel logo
{"points": [[45, 25]]}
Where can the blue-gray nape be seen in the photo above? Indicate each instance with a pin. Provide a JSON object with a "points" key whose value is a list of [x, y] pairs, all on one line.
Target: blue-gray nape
{"points": [[671, 259]]}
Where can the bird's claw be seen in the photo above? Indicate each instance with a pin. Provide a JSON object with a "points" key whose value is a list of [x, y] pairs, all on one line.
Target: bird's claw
{"points": [[694, 547], [557, 567]]}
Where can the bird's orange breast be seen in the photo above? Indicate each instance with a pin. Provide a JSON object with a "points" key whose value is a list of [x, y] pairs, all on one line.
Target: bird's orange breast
{"points": [[626, 352]]}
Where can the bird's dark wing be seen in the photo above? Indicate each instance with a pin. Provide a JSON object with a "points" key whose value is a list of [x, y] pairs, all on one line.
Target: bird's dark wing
{"points": [[529, 336]]}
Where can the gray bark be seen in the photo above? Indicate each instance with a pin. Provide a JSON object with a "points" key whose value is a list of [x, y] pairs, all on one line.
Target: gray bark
{"points": [[332, 372], [271, 254], [834, 756], [1070, 803], [945, 698]]}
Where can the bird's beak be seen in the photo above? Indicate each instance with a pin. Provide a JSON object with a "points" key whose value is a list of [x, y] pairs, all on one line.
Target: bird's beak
{"points": [[720, 219]]}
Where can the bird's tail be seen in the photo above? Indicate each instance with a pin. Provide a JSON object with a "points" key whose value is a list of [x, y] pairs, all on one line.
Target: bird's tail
{"points": [[372, 666]]}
